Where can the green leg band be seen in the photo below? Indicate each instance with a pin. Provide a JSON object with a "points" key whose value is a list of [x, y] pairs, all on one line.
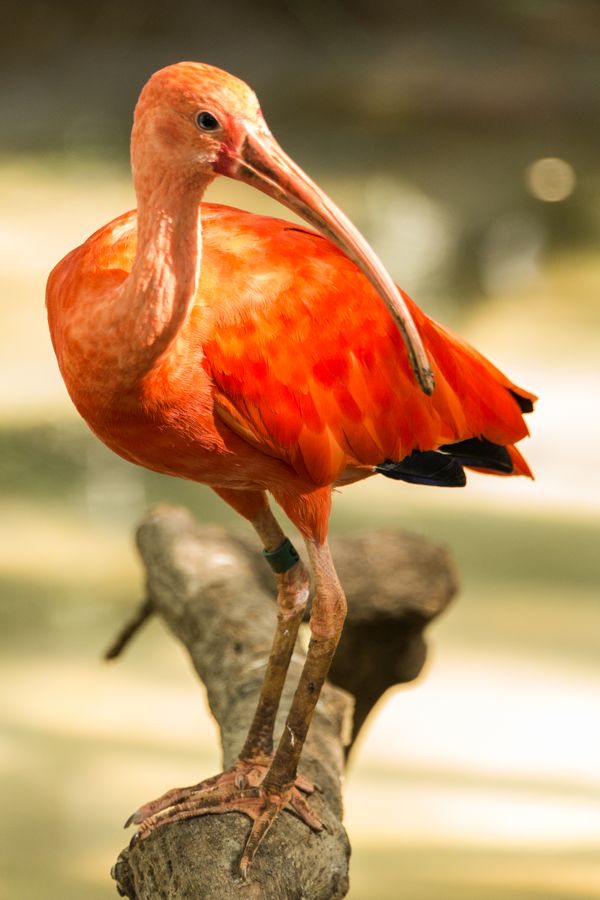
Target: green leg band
{"points": [[283, 558]]}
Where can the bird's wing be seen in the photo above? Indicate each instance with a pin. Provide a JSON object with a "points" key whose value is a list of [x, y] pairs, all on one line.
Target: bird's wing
{"points": [[308, 365]]}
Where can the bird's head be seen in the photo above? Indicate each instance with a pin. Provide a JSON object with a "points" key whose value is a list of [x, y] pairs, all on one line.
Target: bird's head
{"points": [[191, 118], [196, 122]]}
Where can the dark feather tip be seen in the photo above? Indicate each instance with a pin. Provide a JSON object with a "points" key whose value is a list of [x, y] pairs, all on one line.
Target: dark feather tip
{"points": [[480, 454], [525, 404], [425, 467]]}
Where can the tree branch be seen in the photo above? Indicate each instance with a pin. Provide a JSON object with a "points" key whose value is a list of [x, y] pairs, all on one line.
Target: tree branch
{"points": [[215, 595]]}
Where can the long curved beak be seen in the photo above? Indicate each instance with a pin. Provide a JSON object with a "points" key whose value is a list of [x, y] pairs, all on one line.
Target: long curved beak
{"points": [[263, 164]]}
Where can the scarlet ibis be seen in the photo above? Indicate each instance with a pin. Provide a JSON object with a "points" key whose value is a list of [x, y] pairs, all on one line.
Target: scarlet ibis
{"points": [[253, 355]]}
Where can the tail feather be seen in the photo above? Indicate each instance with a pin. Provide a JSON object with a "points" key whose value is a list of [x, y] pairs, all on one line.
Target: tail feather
{"points": [[490, 404], [444, 467], [519, 462], [425, 467], [478, 453], [481, 408], [525, 400]]}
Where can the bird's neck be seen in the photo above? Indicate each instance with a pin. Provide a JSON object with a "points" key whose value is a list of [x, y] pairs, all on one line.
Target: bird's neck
{"points": [[158, 294]]}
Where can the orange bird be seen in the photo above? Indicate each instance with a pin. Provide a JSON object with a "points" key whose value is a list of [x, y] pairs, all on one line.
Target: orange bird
{"points": [[256, 356]]}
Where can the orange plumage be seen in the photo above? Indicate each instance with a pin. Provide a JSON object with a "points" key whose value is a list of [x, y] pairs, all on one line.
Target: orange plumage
{"points": [[289, 373], [242, 351]]}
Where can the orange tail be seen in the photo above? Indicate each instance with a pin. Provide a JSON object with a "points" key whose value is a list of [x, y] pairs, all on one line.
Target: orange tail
{"points": [[520, 466], [475, 397]]}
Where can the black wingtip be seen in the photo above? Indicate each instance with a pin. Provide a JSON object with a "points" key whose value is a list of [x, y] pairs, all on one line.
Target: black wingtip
{"points": [[525, 403], [481, 454], [425, 467]]}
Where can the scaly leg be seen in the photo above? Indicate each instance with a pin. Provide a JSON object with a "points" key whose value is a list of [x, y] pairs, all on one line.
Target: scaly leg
{"points": [[263, 802], [326, 623], [292, 596], [251, 766]]}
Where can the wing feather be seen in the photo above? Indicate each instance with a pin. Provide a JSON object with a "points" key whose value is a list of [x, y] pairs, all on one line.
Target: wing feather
{"points": [[304, 360], [312, 368]]}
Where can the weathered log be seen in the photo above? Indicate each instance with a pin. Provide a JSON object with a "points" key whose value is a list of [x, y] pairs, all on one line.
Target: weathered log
{"points": [[214, 593]]}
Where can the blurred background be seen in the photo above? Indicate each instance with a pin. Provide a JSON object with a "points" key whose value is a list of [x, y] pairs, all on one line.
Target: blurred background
{"points": [[463, 140]]}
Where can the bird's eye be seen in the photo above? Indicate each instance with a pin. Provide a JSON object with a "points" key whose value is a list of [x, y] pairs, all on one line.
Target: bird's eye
{"points": [[207, 122]]}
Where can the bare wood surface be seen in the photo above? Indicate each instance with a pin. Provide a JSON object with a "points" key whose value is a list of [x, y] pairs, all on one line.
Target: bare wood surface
{"points": [[216, 595]]}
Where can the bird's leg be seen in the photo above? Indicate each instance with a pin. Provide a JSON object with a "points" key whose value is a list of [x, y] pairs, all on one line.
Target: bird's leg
{"points": [[292, 596], [326, 623], [263, 801], [255, 756]]}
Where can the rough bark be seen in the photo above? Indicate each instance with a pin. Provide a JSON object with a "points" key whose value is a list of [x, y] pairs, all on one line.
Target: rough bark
{"points": [[215, 595]]}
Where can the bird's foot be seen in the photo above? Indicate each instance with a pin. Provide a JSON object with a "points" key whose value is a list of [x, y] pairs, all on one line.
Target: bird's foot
{"points": [[244, 773], [239, 789]]}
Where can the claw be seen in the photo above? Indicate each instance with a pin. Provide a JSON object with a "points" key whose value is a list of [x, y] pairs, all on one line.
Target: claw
{"points": [[306, 785], [131, 819], [260, 826], [135, 840], [244, 868], [298, 805]]}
